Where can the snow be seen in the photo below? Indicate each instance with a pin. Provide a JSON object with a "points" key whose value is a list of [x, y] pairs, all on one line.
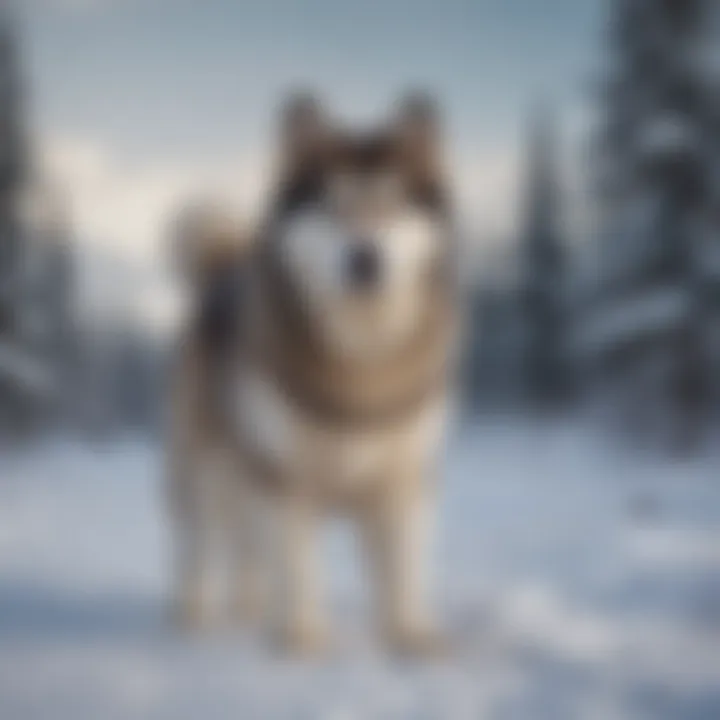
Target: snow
{"points": [[575, 582]]}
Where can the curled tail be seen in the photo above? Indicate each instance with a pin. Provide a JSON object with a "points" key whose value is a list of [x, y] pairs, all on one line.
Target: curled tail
{"points": [[211, 249], [206, 239]]}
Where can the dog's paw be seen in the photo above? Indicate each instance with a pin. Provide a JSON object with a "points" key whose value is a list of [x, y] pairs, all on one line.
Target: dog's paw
{"points": [[302, 641], [426, 643], [191, 614], [246, 609]]}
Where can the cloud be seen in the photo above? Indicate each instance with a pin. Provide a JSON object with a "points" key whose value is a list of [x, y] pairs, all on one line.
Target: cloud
{"points": [[121, 208], [487, 189], [125, 204]]}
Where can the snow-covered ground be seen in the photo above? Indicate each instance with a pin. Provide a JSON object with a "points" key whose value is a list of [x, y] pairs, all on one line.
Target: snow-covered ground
{"points": [[575, 582]]}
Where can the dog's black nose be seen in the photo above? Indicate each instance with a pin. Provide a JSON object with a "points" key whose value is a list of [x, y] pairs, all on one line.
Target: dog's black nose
{"points": [[363, 266]]}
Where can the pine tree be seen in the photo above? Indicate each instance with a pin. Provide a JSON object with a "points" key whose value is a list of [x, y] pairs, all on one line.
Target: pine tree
{"points": [[543, 260], [654, 171], [11, 170], [493, 345], [12, 167], [45, 317], [35, 264]]}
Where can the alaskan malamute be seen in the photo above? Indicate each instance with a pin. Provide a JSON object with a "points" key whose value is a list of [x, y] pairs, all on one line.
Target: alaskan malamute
{"points": [[313, 378]]}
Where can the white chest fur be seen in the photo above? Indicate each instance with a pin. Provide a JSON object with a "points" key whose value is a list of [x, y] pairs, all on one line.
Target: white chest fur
{"points": [[306, 451]]}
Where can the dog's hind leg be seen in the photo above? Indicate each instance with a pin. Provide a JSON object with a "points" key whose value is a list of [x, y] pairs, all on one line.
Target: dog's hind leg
{"points": [[247, 553], [196, 524]]}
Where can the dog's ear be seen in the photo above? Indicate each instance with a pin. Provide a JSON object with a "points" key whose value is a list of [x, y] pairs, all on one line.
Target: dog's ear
{"points": [[304, 131], [418, 132]]}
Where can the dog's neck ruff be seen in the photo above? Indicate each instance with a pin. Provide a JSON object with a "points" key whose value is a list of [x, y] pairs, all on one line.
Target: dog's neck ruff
{"points": [[341, 393]]}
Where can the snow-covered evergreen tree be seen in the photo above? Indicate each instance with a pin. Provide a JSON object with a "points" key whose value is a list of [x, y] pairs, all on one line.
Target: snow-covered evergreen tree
{"points": [[494, 351], [11, 170], [517, 335], [546, 372], [655, 162], [12, 167], [45, 315], [35, 267]]}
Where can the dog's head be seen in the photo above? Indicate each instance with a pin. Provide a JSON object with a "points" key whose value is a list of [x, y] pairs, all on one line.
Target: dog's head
{"points": [[362, 222]]}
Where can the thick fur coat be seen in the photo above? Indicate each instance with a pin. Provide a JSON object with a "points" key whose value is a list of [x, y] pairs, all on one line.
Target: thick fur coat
{"points": [[313, 376]]}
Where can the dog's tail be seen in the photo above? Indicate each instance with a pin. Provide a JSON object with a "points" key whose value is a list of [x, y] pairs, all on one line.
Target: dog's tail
{"points": [[211, 249], [207, 241]]}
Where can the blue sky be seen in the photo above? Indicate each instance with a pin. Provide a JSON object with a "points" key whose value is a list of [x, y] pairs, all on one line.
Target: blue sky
{"points": [[158, 75], [136, 102]]}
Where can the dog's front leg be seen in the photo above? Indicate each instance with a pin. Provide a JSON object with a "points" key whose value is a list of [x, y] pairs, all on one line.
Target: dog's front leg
{"points": [[302, 627], [400, 533]]}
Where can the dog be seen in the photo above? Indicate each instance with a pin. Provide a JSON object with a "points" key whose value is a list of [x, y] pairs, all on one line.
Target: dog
{"points": [[314, 377]]}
